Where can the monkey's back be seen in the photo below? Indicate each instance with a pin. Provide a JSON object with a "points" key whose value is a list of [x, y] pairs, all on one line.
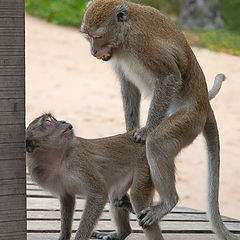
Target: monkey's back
{"points": [[116, 153]]}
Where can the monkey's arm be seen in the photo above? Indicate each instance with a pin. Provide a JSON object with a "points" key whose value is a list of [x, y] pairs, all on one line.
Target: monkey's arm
{"points": [[131, 102], [164, 91], [67, 203]]}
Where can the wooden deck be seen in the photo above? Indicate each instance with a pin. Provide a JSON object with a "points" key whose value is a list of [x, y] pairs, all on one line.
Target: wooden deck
{"points": [[182, 223]]}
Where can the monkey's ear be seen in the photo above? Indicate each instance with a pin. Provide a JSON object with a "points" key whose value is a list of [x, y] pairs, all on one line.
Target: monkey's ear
{"points": [[121, 13], [30, 146]]}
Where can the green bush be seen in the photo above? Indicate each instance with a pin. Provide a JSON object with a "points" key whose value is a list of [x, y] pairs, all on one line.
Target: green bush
{"points": [[70, 12], [66, 12]]}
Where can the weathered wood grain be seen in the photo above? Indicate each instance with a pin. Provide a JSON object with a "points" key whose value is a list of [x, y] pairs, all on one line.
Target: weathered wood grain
{"points": [[12, 186], [170, 226], [12, 133], [12, 105], [13, 236], [133, 236], [12, 121], [55, 215], [12, 215], [53, 204], [182, 223]]}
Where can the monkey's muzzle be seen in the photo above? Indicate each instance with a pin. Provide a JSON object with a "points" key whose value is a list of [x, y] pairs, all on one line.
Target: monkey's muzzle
{"points": [[104, 54], [68, 128]]}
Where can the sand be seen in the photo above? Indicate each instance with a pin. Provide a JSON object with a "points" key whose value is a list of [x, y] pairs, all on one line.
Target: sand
{"points": [[63, 78]]}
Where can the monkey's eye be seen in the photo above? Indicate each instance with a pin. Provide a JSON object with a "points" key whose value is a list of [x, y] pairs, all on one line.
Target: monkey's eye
{"points": [[49, 119]]}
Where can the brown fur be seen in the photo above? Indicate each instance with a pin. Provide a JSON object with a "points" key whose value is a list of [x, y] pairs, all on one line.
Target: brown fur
{"points": [[151, 55], [95, 168]]}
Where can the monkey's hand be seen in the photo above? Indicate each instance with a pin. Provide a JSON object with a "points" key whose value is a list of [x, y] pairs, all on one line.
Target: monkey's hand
{"points": [[124, 203], [140, 135]]}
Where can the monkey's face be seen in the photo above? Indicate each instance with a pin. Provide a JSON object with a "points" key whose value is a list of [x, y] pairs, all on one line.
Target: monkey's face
{"points": [[47, 132], [105, 25]]}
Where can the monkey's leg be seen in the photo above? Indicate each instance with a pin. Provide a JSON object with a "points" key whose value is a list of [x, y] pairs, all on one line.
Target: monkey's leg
{"points": [[121, 219], [93, 209], [162, 146], [67, 203], [141, 197]]}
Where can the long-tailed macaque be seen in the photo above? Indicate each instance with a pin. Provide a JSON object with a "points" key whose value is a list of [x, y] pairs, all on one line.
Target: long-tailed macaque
{"points": [[151, 56], [99, 169]]}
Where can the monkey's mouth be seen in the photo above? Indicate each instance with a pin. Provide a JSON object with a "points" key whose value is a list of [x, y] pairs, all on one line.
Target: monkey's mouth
{"points": [[106, 56], [68, 128]]}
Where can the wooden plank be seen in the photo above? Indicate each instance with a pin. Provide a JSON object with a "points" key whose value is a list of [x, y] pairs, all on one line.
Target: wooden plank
{"points": [[13, 186], [11, 118], [55, 215], [13, 236], [11, 151], [10, 22], [11, 51], [133, 236], [12, 71], [12, 226], [11, 81], [12, 133], [53, 204], [12, 105], [12, 39], [137, 236], [11, 60], [12, 202], [12, 121], [12, 215], [170, 227], [12, 92], [6, 13], [12, 4]]}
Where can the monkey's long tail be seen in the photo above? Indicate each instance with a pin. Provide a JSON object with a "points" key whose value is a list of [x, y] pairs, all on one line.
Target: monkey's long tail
{"points": [[212, 140], [216, 86]]}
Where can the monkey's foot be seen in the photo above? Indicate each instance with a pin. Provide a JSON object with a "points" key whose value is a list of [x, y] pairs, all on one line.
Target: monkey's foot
{"points": [[109, 236], [124, 203], [140, 135], [147, 217]]}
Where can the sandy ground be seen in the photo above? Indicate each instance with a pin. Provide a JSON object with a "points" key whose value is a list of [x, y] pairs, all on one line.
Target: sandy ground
{"points": [[63, 78]]}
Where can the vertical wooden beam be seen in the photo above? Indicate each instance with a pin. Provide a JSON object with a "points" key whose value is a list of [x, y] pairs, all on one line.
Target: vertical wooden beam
{"points": [[12, 120]]}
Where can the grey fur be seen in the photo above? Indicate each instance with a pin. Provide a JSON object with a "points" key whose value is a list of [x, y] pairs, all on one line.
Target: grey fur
{"points": [[70, 166]]}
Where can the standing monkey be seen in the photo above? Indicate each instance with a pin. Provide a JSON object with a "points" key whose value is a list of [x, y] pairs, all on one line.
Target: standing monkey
{"points": [[151, 56]]}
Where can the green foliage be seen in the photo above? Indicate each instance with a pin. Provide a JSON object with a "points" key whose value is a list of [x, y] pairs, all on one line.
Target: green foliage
{"points": [[70, 12], [66, 12], [220, 40], [231, 14]]}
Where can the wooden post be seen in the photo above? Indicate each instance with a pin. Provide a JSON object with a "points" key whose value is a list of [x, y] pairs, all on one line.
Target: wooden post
{"points": [[12, 121]]}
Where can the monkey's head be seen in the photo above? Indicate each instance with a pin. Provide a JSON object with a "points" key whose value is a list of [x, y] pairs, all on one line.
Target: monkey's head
{"points": [[105, 25], [45, 132]]}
